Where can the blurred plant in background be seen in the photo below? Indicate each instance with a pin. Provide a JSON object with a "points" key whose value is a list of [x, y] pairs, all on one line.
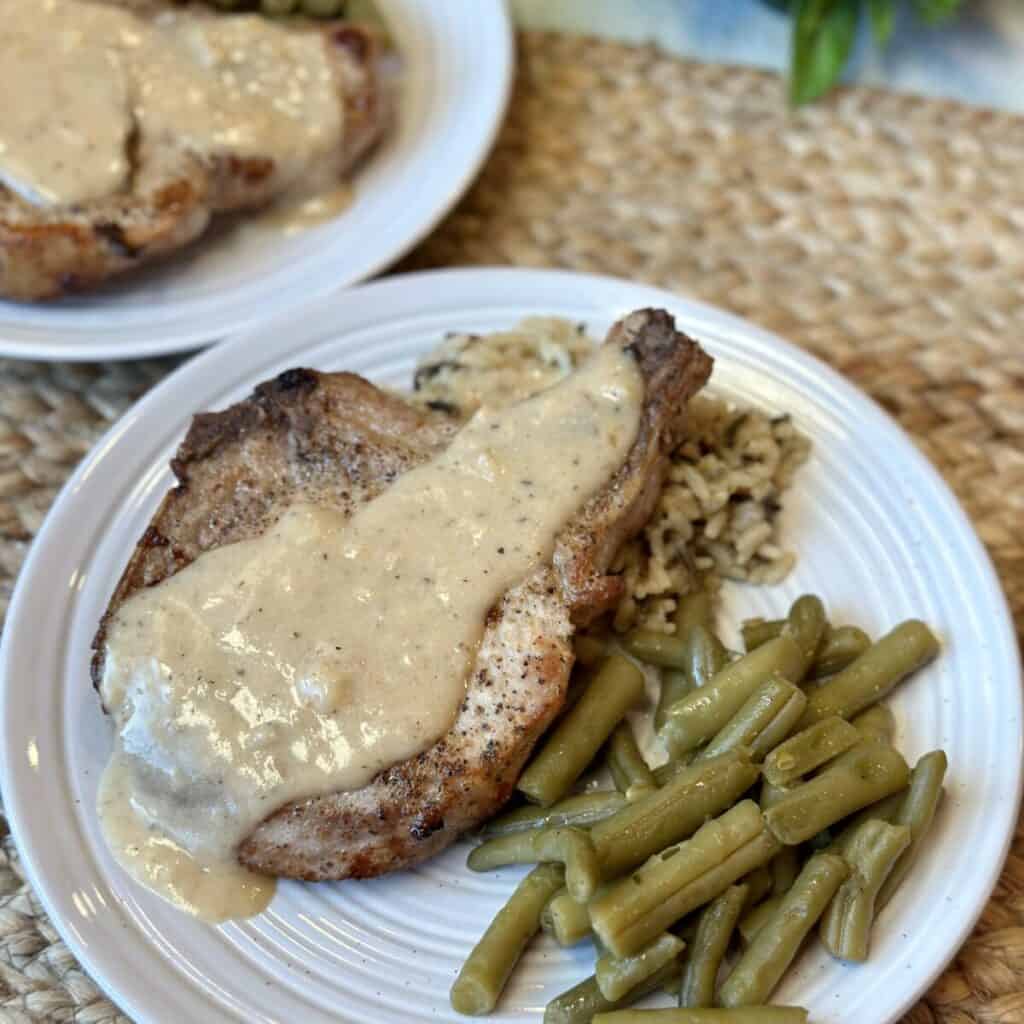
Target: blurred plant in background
{"points": [[824, 31]]}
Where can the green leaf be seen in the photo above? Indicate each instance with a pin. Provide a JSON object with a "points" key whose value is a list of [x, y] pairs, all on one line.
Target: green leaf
{"points": [[936, 11], [883, 17], [823, 35]]}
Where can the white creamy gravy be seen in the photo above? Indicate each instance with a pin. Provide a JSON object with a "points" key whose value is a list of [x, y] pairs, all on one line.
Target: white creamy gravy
{"points": [[79, 77], [306, 660]]}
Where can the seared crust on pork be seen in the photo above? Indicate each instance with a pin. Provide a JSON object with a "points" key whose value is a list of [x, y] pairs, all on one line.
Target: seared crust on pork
{"points": [[172, 194], [338, 440]]}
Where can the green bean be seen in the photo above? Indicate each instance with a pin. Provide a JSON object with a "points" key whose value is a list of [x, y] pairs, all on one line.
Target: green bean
{"points": [[762, 723], [759, 883], [872, 853], [756, 632], [864, 774], [806, 625], [566, 919], [699, 715], [671, 813], [582, 810], [753, 921], [618, 975], [589, 649], [886, 810], [627, 764], [579, 1004], [746, 1015], [694, 609], [877, 724], [714, 931], [574, 848], [569, 846], [617, 686], [771, 795], [675, 684], [483, 975], [649, 825], [663, 649], [705, 658], [874, 674], [809, 749], [916, 813], [838, 646], [669, 885], [841, 646], [582, 676], [774, 947], [784, 868]]}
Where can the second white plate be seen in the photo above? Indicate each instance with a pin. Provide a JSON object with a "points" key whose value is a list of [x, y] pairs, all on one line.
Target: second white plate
{"points": [[879, 536], [456, 71]]}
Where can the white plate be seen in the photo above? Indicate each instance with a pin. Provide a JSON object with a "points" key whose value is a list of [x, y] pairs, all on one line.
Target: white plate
{"points": [[457, 61], [879, 535]]}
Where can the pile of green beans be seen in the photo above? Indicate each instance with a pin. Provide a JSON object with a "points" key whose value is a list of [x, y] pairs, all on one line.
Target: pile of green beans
{"points": [[678, 866]]}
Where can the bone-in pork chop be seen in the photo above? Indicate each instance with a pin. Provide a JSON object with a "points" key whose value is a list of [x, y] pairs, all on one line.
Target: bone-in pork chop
{"points": [[338, 441], [125, 131]]}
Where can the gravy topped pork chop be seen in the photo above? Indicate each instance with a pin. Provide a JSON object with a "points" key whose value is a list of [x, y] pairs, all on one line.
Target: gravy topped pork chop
{"points": [[349, 623], [127, 127]]}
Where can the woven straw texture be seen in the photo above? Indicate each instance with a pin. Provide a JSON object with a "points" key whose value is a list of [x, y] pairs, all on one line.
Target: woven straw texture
{"points": [[880, 232]]}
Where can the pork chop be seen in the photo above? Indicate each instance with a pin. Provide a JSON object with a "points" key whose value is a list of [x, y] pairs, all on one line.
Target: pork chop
{"points": [[336, 439], [169, 190]]}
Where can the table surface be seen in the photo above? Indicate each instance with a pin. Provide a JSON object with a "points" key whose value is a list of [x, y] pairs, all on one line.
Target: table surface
{"points": [[978, 59]]}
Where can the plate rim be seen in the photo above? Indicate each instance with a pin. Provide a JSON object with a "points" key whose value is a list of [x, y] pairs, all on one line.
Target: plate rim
{"points": [[10, 762], [92, 347]]}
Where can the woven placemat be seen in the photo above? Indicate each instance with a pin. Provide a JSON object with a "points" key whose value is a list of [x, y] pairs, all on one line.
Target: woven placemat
{"points": [[881, 232]]}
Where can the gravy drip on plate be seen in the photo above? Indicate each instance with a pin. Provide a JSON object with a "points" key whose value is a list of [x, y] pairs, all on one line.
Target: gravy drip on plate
{"points": [[308, 659], [81, 79], [293, 214]]}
